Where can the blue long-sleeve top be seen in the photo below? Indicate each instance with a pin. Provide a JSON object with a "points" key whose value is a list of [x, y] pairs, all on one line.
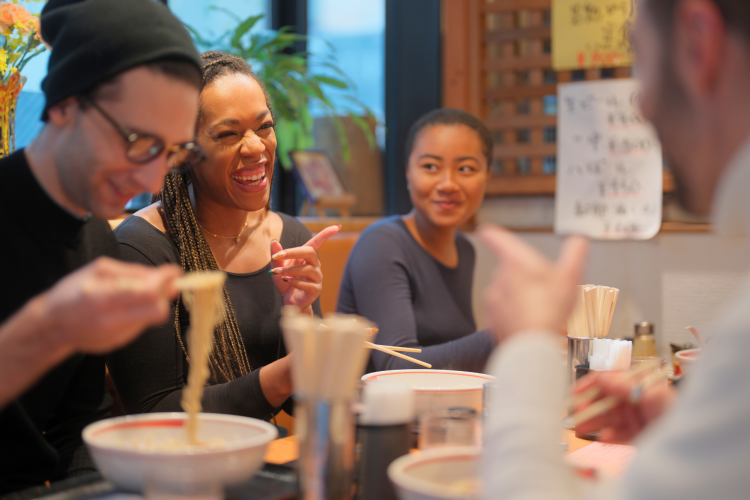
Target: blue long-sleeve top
{"points": [[415, 300]]}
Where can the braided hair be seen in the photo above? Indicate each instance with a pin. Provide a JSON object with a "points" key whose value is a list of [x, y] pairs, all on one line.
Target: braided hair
{"points": [[228, 359]]}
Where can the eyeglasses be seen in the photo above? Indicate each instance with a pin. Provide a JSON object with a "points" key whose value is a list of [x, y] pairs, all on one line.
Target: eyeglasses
{"points": [[142, 148]]}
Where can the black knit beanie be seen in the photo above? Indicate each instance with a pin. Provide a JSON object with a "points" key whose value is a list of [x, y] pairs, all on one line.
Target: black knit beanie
{"points": [[94, 40]]}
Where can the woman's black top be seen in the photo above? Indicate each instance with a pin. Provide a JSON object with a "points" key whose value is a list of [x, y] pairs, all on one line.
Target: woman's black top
{"points": [[150, 373], [415, 300]]}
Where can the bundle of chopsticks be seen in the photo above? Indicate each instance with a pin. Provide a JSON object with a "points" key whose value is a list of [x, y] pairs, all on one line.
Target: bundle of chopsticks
{"points": [[609, 402], [329, 355], [592, 314]]}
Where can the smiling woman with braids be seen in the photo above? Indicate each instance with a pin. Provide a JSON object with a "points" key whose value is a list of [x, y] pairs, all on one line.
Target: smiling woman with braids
{"points": [[217, 217]]}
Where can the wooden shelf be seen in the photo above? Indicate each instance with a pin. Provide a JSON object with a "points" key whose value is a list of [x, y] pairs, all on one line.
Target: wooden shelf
{"points": [[521, 184], [496, 65], [539, 185], [666, 227]]}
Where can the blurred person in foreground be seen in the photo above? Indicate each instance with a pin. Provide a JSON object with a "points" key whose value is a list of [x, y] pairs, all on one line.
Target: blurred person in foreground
{"points": [[121, 101], [693, 57]]}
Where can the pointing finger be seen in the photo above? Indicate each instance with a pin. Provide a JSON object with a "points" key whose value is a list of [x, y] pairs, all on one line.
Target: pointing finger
{"points": [[276, 248], [317, 241]]}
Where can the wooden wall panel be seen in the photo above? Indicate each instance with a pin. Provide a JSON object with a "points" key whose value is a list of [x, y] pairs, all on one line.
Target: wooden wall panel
{"points": [[497, 65]]}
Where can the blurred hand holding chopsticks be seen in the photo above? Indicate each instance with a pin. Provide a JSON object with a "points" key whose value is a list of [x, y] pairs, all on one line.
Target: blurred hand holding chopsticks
{"points": [[607, 403]]}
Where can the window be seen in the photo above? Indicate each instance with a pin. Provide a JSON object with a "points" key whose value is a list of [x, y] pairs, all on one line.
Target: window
{"points": [[210, 18], [353, 31]]}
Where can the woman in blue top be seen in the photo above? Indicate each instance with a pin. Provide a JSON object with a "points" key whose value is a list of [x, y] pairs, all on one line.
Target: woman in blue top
{"points": [[412, 275]]}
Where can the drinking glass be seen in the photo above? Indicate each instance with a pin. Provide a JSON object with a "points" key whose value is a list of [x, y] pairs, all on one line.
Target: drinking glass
{"points": [[656, 362], [454, 427]]}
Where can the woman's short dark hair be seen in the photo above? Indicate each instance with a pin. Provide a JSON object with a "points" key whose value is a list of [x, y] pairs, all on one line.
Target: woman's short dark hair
{"points": [[447, 116]]}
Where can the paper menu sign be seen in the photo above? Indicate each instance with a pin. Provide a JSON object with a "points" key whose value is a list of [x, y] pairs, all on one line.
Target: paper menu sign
{"points": [[591, 33], [609, 163]]}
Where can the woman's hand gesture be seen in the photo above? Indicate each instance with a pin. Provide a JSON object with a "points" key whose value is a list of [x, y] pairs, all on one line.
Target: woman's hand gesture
{"points": [[296, 271]]}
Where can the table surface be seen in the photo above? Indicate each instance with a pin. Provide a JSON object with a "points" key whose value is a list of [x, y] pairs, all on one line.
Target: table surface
{"points": [[286, 449]]}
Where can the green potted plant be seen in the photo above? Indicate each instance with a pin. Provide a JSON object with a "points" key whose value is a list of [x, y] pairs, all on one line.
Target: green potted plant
{"points": [[293, 88]]}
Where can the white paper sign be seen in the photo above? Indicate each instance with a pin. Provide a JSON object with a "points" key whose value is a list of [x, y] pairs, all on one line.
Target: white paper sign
{"points": [[609, 163]]}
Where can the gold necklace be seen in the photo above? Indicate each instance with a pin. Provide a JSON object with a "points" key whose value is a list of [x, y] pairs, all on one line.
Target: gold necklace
{"points": [[235, 238]]}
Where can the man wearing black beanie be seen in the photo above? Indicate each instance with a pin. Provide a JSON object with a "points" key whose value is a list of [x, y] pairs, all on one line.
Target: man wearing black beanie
{"points": [[122, 101]]}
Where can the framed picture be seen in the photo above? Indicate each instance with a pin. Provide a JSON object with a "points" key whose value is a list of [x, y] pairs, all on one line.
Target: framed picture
{"points": [[317, 175]]}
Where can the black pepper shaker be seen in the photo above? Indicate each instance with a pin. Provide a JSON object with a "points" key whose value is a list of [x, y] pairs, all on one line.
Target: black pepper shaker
{"points": [[383, 435]]}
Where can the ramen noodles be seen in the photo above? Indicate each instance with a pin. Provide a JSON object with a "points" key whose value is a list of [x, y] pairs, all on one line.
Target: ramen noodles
{"points": [[202, 293], [175, 445]]}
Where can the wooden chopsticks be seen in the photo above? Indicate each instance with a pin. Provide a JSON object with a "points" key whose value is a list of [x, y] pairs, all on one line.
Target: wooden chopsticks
{"points": [[606, 404], [589, 394], [399, 349], [392, 351]]}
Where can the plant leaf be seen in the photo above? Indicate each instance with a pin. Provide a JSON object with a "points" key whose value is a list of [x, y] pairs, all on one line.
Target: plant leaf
{"points": [[226, 11], [331, 81], [365, 127], [197, 37], [291, 85], [243, 28]]}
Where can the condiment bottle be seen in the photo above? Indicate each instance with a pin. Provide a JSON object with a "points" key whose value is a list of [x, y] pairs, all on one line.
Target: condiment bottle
{"points": [[382, 436], [644, 343]]}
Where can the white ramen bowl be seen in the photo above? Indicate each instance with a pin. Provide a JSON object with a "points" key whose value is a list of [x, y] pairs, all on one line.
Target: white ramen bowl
{"points": [[110, 443], [687, 358], [439, 389], [437, 474]]}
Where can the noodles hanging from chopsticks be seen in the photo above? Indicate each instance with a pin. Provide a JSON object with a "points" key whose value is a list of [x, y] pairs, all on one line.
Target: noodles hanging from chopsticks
{"points": [[202, 294]]}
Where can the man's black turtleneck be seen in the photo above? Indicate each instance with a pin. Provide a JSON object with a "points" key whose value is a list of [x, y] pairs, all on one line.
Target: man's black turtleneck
{"points": [[40, 432]]}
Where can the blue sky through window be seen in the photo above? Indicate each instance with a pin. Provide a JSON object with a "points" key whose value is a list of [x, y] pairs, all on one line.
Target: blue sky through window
{"points": [[353, 31]]}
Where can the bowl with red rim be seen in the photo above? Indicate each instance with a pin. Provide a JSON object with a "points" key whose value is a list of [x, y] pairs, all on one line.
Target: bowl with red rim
{"points": [[439, 389], [450, 473], [687, 358], [131, 449]]}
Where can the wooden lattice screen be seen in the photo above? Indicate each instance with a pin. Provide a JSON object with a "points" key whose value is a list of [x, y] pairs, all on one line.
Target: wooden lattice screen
{"points": [[497, 64]]}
